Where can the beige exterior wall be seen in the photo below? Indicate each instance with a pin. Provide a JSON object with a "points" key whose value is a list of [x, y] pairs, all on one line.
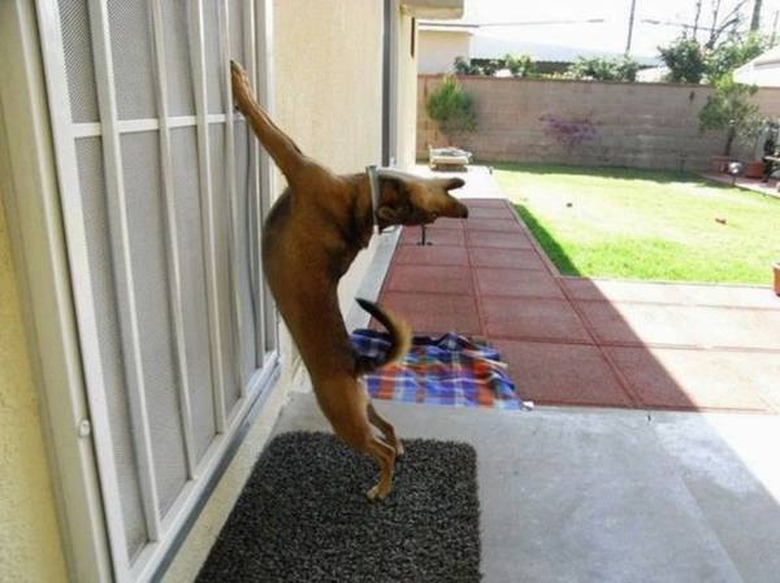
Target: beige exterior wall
{"points": [[640, 125], [438, 50], [30, 547], [406, 124], [328, 89]]}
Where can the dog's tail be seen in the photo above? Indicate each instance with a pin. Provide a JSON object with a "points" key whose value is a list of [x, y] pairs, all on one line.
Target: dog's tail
{"points": [[399, 330]]}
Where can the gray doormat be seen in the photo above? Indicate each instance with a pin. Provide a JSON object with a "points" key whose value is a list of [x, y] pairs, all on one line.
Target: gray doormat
{"points": [[303, 517]]}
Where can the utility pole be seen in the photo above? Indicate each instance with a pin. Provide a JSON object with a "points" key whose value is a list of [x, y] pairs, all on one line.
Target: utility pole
{"points": [[755, 21], [696, 19], [630, 26]]}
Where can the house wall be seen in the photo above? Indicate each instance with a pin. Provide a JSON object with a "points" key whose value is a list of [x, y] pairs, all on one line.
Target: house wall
{"points": [[30, 548], [438, 50], [640, 125], [406, 124], [328, 90]]}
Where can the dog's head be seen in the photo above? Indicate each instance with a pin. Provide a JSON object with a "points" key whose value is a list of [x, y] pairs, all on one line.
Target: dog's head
{"points": [[406, 199]]}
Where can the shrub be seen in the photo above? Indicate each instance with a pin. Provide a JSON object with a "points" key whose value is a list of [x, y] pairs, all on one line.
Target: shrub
{"points": [[685, 59], [452, 108], [728, 109], [602, 69]]}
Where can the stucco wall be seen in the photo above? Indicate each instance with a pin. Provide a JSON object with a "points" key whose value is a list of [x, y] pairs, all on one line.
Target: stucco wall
{"points": [[328, 89], [29, 538], [407, 50], [639, 125]]}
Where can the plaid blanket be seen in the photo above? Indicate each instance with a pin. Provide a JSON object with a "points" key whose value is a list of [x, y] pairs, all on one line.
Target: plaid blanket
{"points": [[450, 370]]}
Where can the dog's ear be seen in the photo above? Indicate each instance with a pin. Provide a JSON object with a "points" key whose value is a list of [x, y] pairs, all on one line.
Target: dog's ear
{"points": [[394, 207]]}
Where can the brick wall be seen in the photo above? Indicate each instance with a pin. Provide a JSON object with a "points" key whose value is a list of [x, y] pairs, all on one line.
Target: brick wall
{"points": [[642, 125]]}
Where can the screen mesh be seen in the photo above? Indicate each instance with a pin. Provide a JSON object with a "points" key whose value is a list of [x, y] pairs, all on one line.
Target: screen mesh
{"points": [[77, 46], [214, 58], [99, 247], [245, 192], [176, 18], [189, 220], [148, 240], [222, 224], [236, 31], [131, 49]]}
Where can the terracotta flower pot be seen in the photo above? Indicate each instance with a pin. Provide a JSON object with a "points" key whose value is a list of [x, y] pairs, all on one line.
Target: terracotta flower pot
{"points": [[776, 267], [754, 169]]}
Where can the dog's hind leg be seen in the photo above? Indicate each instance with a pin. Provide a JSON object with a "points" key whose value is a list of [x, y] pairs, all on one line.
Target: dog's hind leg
{"points": [[386, 428], [385, 455], [282, 149]]}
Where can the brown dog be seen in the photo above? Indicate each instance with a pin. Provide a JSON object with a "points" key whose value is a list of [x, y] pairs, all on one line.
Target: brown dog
{"points": [[310, 238]]}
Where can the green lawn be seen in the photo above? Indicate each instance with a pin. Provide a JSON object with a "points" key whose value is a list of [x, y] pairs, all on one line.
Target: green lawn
{"points": [[648, 225]]}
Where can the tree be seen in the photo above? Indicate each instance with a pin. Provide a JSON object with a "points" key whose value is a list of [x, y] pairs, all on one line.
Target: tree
{"points": [[452, 108], [685, 60], [732, 53], [728, 108], [729, 22]]}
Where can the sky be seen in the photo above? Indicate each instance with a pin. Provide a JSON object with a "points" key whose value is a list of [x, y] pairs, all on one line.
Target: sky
{"points": [[611, 35]]}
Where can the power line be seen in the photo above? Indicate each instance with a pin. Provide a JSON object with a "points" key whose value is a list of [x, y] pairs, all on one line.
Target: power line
{"points": [[542, 22]]}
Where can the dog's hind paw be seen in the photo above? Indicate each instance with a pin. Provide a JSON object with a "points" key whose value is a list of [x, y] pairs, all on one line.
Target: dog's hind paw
{"points": [[375, 494]]}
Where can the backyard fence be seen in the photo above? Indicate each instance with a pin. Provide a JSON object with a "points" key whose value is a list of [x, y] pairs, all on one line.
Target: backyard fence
{"points": [[640, 125]]}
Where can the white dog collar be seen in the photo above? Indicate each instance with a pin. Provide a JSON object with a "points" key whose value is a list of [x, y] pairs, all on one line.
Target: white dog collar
{"points": [[373, 181]]}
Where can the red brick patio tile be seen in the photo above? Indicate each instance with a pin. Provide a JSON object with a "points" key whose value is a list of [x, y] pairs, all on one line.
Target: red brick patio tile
{"points": [[496, 212], [451, 237], [431, 279], [517, 283], [494, 225], [687, 379], [626, 323], [497, 240], [509, 258], [431, 255], [532, 319], [436, 313], [562, 374]]}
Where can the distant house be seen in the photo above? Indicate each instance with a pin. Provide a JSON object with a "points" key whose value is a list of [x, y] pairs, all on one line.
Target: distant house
{"points": [[763, 71], [442, 42]]}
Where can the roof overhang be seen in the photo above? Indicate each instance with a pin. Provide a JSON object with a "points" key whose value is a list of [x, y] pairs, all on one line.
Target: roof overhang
{"points": [[434, 9]]}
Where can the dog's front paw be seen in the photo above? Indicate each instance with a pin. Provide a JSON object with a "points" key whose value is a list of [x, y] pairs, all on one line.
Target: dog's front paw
{"points": [[399, 448]]}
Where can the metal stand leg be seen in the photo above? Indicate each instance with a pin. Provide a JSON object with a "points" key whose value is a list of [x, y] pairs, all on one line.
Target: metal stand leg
{"points": [[423, 236]]}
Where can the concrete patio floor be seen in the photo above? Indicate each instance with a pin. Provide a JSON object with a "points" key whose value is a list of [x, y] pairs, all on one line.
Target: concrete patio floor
{"points": [[621, 494], [601, 496]]}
